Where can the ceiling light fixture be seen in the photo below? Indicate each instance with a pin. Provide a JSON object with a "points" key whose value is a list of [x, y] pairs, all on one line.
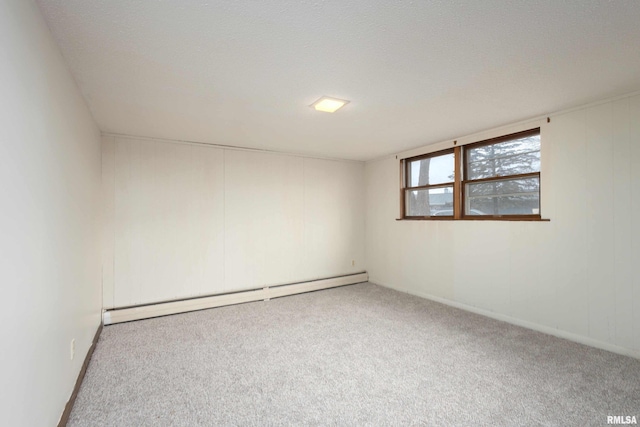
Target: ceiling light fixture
{"points": [[328, 104]]}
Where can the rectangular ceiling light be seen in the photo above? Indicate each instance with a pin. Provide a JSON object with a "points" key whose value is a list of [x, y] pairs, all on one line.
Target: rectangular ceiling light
{"points": [[328, 104]]}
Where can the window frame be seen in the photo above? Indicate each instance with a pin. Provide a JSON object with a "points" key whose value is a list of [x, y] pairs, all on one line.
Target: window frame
{"points": [[461, 180]]}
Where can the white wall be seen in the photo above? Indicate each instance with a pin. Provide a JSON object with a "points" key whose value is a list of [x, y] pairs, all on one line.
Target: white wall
{"points": [[186, 220], [576, 276], [49, 231]]}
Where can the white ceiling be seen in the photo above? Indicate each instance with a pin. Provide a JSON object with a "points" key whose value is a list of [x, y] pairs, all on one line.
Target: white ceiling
{"points": [[417, 72]]}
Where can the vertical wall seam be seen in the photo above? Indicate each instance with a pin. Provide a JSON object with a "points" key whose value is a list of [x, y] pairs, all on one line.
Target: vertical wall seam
{"points": [[224, 219], [113, 227], [635, 332], [588, 241], [305, 255], [611, 334], [100, 223]]}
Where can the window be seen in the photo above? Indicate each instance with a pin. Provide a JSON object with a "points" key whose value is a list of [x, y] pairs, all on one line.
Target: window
{"points": [[494, 179], [429, 189]]}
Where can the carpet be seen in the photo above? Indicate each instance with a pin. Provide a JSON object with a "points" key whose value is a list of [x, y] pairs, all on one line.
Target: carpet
{"points": [[355, 355]]}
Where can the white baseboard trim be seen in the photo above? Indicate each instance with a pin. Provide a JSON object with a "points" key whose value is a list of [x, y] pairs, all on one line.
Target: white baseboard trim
{"points": [[264, 294], [524, 323]]}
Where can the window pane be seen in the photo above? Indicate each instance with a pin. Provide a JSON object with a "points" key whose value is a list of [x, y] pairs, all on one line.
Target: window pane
{"points": [[521, 155], [432, 201], [431, 171], [504, 197]]}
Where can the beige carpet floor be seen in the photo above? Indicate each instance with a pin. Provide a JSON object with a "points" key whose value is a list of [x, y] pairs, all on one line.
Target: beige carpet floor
{"points": [[356, 355]]}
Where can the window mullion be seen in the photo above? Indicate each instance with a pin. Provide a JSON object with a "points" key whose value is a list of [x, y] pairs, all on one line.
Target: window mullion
{"points": [[404, 169], [457, 183]]}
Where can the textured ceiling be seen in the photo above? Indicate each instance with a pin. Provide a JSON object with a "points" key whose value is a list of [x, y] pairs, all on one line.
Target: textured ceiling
{"points": [[417, 72]]}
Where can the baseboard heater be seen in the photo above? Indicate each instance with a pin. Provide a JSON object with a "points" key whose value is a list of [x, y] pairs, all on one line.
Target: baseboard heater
{"points": [[127, 314]]}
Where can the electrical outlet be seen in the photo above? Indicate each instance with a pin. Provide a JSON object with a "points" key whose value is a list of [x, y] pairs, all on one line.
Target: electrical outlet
{"points": [[73, 348], [353, 262]]}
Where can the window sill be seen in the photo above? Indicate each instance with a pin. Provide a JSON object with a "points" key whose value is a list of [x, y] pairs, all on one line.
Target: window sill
{"points": [[475, 219]]}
